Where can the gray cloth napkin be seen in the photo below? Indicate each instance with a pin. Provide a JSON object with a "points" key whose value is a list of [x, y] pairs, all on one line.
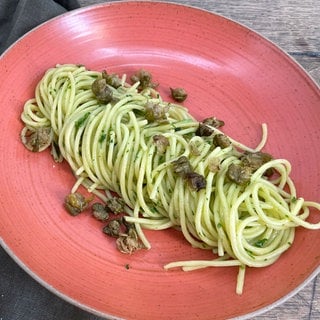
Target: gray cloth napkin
{"points": [[21, 297], [19, 16]]}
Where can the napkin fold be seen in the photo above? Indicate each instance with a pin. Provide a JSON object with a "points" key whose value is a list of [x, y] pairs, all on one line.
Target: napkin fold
{"points": [[20, 296], [20, 16]]}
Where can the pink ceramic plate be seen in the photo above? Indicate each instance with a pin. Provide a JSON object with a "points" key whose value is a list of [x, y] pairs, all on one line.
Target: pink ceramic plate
{"points": [[229, 71]]}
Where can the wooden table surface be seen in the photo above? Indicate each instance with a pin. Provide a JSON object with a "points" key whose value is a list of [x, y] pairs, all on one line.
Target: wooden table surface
{"points": [[294, 26]]}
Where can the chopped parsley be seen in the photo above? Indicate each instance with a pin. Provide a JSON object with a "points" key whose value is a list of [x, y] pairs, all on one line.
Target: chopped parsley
{"points": [[102, 137], [80, 122], [260, 243]]}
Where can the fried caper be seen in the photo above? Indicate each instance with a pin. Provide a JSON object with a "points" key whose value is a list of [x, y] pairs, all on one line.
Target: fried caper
{"points": [[178, 94], [99, 211], [161, 142], [112, 79], [221, 140], [102, 91], [155, 112], [182, 166], [144, 78], [113, 228], [76, 203], [115, 205], [255, 160], [128, 243], [37, 140], [213, 122], [204, 130], [196, 181], [239, 174]]}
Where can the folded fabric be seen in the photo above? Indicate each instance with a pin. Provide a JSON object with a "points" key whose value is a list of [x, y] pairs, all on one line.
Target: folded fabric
{"points": [[19, 16]]}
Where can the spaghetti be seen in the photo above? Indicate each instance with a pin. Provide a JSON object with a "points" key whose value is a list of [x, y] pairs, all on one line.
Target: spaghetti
{"points": [[114, 146]]}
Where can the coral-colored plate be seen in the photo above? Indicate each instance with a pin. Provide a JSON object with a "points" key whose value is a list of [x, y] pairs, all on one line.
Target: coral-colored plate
{"points": [[229, 71]]}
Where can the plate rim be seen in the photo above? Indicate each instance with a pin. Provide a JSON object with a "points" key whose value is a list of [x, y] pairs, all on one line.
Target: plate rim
{"points": [[93, 7]]}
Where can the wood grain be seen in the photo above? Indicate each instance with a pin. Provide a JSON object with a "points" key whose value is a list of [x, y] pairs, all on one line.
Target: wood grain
{"points": [[294, 26]]}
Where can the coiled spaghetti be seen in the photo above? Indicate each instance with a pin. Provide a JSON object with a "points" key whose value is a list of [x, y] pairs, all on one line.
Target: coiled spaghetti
{"points": [[111, 147]]}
